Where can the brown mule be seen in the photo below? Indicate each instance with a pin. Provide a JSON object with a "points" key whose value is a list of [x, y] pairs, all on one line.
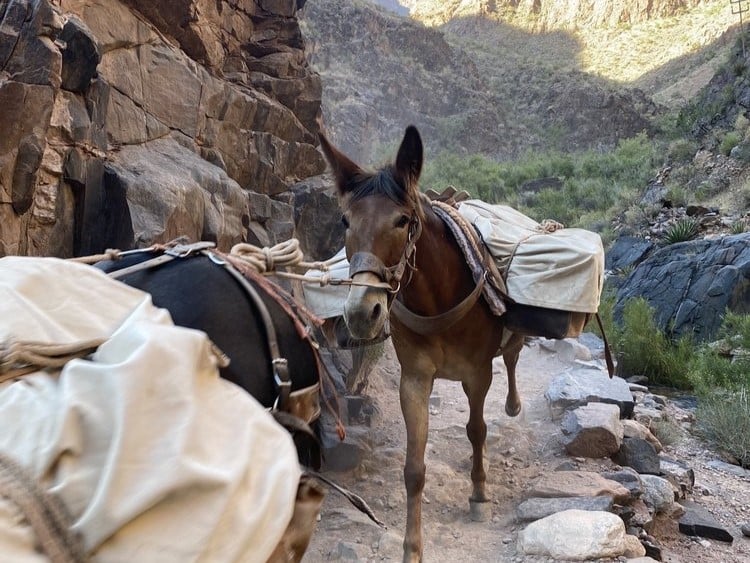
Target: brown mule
{"points": [[391, 236]]}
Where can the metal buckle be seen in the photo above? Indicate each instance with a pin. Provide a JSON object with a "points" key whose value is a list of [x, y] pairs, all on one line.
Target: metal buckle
{"points": [[284, 365], [185, 250]]}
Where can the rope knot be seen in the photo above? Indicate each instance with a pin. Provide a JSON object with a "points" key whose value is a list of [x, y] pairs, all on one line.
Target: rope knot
{"points": [[268, 255], [550, 225]]}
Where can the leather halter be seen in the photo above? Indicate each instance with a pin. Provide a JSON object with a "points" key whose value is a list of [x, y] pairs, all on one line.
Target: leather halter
{"points": [[426, 326], [368, 262]]}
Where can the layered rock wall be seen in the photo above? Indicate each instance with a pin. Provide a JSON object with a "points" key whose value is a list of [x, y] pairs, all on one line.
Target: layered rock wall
{"points": [[127, 123]]}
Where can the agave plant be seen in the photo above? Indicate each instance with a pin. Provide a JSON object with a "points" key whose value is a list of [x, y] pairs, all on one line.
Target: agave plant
{"points": [[684, 229], [738, 227]]}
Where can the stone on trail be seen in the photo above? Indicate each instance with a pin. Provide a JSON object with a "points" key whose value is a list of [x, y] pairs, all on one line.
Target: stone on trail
{"points": [[633, 547], [575, 534], [537, 508], [593, 430], [658, 493], [567, 349], [638, 454], [697, 521], [634, 429], [628, 478], [679, 474], [579, 386], [578, 484]]}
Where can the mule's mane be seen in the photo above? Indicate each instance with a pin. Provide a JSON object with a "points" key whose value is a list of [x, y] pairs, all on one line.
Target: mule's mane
{"points": [[383, 182]]}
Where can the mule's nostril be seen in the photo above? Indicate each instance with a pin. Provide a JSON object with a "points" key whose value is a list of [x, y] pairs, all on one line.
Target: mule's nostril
{"points": [[375, 315]]}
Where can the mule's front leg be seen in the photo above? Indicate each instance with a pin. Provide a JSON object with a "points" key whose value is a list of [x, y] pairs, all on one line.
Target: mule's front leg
{"points": [[415, 396], [476, 390]]}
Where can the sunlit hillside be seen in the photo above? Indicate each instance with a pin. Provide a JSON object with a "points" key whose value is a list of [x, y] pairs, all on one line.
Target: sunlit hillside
{"points": [[669, 49]]}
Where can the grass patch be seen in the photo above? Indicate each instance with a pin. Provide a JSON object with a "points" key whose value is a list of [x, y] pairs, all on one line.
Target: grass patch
{"points": [[724, 420], [722, 384], [667, 431]]}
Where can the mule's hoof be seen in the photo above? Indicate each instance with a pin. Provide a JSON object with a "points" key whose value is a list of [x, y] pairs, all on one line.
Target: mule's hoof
{"points": [[513, 410], [480, 511]]}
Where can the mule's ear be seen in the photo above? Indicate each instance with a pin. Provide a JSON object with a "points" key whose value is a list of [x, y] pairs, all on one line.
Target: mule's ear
{"points": [[343, 167], [410, 157]]}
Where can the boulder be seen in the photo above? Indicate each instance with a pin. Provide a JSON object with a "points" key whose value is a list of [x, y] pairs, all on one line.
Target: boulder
{"points": [[658, 493], [538, 508], [560, 484], [582, 385], [638, 454], [575, 534], [677, 472], [697, 521], [691, 284], [634, 429], [593, 430], [627, 252], [628, 478]]}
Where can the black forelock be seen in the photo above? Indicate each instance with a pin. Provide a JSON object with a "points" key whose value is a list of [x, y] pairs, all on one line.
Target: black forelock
{"points": [[382, 182]]}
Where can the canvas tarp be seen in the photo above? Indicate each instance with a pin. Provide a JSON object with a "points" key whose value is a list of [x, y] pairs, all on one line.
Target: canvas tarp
{"points": [[563, 269], [327, 301], [155, 457]]}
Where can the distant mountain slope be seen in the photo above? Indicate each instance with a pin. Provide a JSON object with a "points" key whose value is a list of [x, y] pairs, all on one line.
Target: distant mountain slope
{"points": [[381, 72]]}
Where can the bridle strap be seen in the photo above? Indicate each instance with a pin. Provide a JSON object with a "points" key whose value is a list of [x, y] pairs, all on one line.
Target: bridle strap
{"points": [[427, 326], [368, 262]]}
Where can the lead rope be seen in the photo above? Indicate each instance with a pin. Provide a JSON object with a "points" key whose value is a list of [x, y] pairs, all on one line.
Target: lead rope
{"points": [[44, 512]]}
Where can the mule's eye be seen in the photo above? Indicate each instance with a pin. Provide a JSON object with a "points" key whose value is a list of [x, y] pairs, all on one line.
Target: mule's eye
{"points": [[402, 222], [345, 221]]}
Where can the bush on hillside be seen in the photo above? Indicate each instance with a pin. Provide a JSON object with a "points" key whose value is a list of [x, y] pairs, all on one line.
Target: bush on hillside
{"points": [[593, 183]]}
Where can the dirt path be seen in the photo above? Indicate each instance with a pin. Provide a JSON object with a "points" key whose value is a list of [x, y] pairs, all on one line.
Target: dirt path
{"points": [[518, 449]]}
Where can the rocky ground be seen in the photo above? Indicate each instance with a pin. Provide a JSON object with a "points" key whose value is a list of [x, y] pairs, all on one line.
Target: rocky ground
{"points": [[519, 451]]}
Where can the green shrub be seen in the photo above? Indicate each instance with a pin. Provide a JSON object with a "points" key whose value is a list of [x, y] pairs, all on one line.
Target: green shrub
{"points": [[594, 183], [711, 370], [729, 141], [684, 229], [736, 326], [643, 349], [477, 174], [682, 150], [724, 419]]}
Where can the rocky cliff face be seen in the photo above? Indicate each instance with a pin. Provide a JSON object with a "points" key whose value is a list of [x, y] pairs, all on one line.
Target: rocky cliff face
{"points": [[122, 126], [382, 72], [551, 14]]}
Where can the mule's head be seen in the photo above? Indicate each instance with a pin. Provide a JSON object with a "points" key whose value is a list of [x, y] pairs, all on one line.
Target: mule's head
{"points": [[382, 215]]}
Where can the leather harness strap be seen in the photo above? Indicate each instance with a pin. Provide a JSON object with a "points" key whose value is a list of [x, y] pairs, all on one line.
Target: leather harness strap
{"points": [[427, 326], [279, 365]]}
